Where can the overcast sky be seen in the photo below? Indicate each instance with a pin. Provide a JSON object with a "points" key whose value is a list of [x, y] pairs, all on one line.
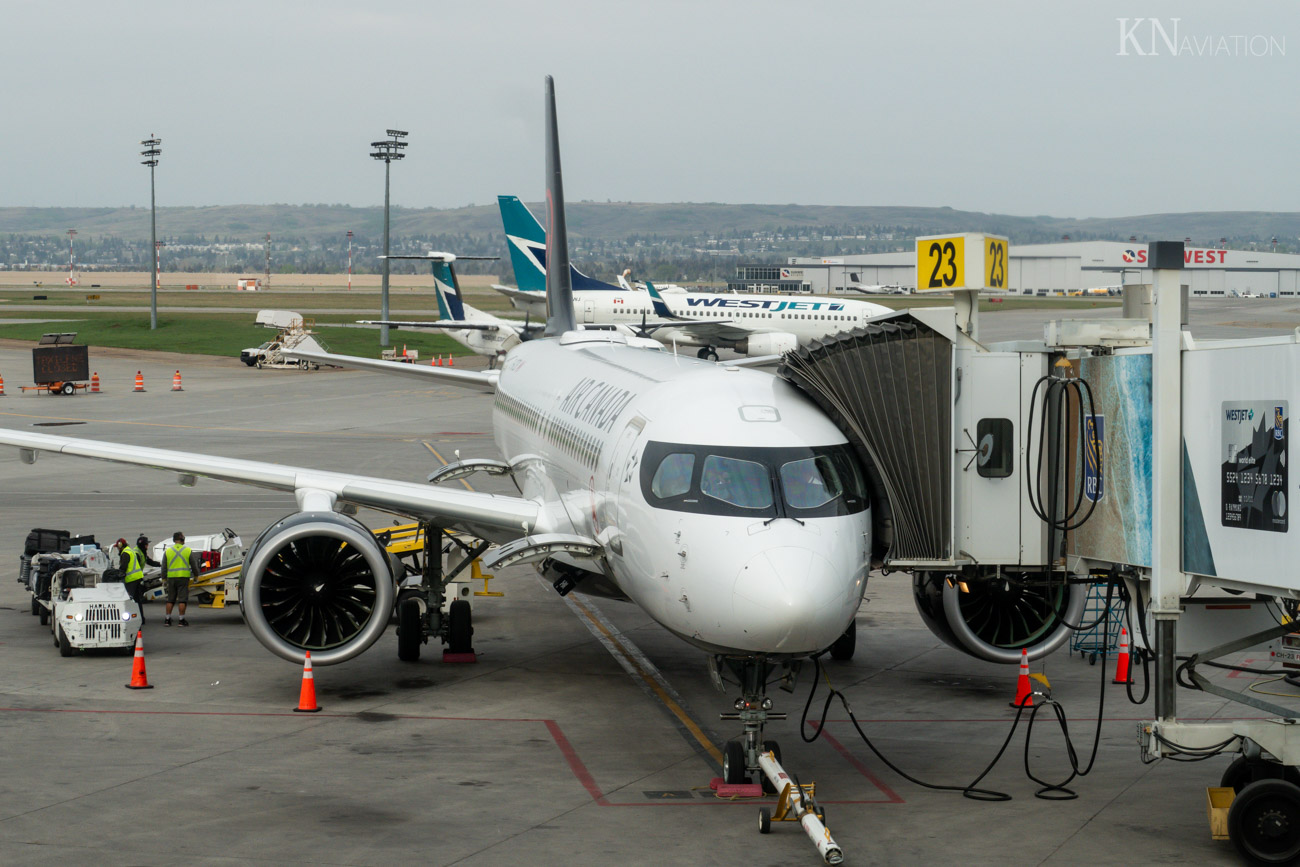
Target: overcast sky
{"points": [[1053, 108]]}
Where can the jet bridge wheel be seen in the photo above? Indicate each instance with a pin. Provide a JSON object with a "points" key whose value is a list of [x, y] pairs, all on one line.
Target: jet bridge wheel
{"points": [[410, 631], [1243, 771], [1264, 822]]}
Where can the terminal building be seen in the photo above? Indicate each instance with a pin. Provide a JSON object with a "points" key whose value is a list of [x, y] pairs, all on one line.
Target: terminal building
{"points": [[1040, 269]]}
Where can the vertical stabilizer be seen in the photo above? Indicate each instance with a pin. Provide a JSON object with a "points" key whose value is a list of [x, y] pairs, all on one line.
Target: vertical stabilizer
{"points": [[559, 284], [447, 288]]}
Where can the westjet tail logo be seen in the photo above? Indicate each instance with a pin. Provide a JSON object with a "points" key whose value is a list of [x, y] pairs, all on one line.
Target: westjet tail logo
{"points": [[762, 304], [533, 251]]}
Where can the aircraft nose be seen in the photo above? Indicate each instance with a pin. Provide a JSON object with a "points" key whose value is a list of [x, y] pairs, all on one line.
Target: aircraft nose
{"points": [[792, 600]]}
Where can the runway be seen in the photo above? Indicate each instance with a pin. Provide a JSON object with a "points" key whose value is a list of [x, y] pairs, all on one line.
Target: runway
{"points": [[552, 748]]}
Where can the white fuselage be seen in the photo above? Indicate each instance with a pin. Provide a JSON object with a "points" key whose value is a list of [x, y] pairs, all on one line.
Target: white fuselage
{"points": [[806, 319], [729, 578]]}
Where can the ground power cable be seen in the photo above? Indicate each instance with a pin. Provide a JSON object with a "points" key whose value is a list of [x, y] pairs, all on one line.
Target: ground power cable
{"points": [[1049, 791]]}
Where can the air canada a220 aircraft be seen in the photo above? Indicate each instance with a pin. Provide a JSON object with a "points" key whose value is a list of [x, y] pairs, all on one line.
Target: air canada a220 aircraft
{"points": [[719, 500]]}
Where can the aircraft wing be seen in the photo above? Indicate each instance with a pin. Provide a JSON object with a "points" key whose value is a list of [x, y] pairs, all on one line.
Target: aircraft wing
{"points": [[449, 324], [532, 301], [719, 330], [502, 516], [478, 380]]}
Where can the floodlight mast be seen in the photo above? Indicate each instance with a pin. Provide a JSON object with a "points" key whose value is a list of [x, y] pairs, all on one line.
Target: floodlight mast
{"points": [[152, 150], [388, 150]]}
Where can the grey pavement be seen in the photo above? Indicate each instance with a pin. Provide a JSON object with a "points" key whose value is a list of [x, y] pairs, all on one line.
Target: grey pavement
{"points": [[545, 750]]}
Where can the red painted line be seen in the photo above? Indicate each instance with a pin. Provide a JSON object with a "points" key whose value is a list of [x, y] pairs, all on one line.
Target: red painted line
{"points": [[575, 764], [891, 796], [1243, 673]]}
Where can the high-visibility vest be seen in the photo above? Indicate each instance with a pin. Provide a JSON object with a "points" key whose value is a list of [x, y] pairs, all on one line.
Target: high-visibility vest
{"points": [[135, 564], [178, 562]]}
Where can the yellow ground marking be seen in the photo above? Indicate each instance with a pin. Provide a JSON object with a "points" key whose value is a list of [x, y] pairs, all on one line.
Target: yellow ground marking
{"points": [[654, 686]]}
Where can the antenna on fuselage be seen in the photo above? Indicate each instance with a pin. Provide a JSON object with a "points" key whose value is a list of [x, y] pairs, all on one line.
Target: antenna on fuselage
{"points": [[559, 286]]}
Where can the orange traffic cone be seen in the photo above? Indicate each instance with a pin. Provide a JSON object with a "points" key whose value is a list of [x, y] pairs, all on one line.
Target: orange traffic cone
{"points": [[451, 361], [139, 680], [438, 363], [432, 363], [2, 386], [176, 382], [94, 383], [1122, 674], [1024, 692], [307, 698], [139, 381]]}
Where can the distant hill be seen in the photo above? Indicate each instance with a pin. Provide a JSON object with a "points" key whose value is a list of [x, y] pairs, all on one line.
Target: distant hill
{"points": [[613, 221]]}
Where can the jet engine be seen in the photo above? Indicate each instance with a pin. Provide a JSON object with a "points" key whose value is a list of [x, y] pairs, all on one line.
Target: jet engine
{"points": [[768, 343], [317, 581], [992, 617]]}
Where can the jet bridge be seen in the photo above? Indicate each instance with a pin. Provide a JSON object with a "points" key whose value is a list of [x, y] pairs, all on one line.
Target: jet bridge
{"points": [[1008, 477], [941, 426]]}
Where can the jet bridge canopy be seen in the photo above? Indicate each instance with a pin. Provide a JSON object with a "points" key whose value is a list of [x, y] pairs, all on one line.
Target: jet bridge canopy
{"points": [[888, 387]]}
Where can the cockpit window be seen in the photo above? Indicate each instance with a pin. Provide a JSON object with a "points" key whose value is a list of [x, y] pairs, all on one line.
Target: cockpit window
{"points": [[812, 482], [746, 484], [673, 477]]}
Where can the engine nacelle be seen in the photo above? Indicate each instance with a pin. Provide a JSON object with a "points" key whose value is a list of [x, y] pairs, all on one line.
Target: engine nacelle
{"points": [[998, 615], [317, 581], [768, 343]]}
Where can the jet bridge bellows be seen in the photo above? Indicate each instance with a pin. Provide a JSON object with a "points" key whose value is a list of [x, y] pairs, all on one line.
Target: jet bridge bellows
{"points": [[888, 387]]}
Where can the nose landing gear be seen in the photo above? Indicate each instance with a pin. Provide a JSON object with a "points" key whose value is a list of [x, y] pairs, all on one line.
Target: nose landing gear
{"points": [[753, 709], [751, 754]]}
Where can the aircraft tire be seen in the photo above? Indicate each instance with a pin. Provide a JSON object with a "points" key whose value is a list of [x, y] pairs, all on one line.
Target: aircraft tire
{"points": [[409, 631]]}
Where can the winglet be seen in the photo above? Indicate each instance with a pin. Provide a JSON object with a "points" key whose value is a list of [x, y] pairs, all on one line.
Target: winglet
{"points": [[657, 301], [559, 285]]}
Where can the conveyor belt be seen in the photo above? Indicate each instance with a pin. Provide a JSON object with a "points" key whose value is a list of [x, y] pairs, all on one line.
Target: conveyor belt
{"points": [[888, 387]]}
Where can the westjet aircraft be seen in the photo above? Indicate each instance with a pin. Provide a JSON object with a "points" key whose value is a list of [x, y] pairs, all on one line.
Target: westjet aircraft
{"points": [[481, 332], [751, 324], [720, 500]]}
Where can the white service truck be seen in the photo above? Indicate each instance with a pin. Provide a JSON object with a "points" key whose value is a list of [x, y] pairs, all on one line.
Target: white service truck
{"points": [[86, 612]]}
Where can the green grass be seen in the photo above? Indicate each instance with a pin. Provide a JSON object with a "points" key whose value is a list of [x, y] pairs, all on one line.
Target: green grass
{"points": [[217, 334]]}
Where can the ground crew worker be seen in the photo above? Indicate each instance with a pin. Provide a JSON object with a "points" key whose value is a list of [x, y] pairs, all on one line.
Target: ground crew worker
{"points": [[180, 563], [132, 562]]}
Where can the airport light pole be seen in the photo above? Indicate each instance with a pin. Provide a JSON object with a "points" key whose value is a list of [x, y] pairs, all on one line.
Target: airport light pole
{"points": [[151, 152], [388, 150], [349, 260]]}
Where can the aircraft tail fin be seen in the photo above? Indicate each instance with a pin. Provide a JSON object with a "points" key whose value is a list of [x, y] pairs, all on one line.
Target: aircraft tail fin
{"points": [[527, 242], [526, 239], [559, 283], [450, 304]]}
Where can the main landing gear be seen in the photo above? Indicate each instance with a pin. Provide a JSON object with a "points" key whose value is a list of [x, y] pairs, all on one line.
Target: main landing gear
{"points": [[708, 353], [428, 605]]}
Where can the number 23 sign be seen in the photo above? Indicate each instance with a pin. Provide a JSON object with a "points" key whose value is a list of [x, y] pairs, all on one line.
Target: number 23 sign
{"points": [[968, 261]]}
